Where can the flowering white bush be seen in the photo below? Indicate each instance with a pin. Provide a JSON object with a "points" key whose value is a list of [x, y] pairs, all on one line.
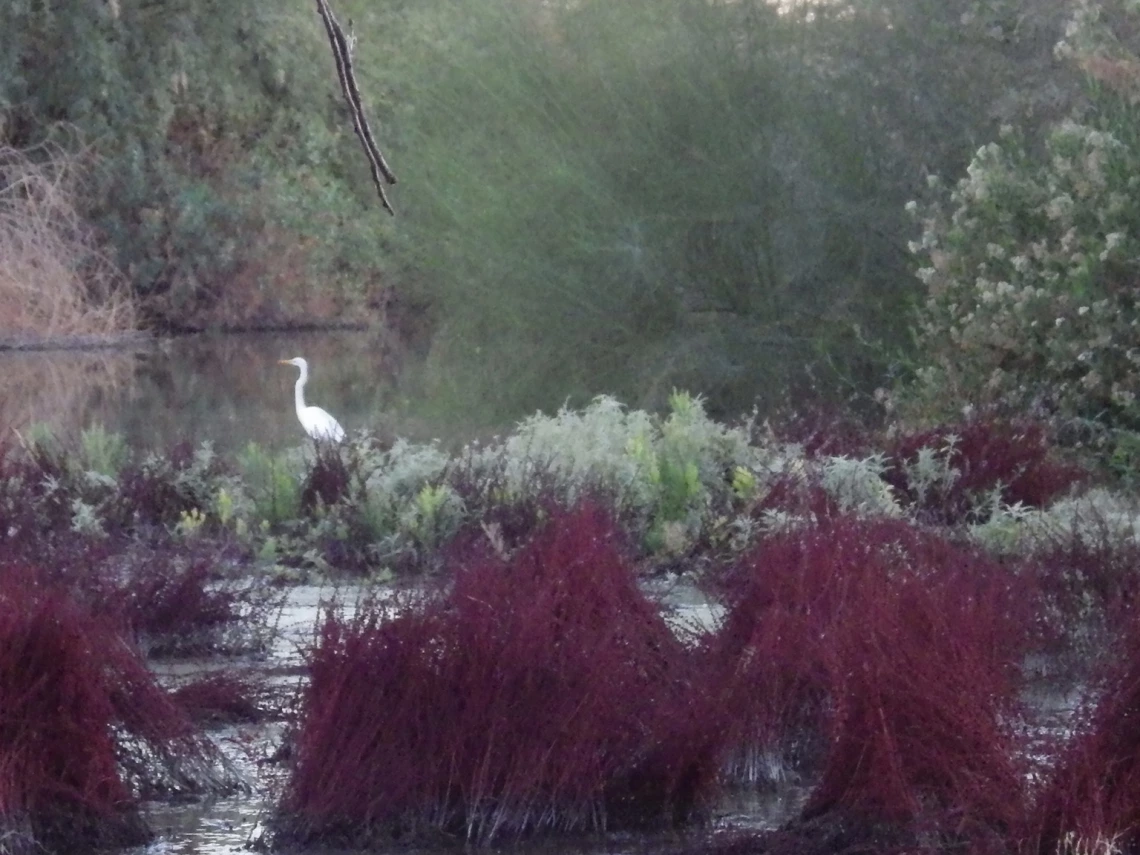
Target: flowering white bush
{"points": [[1029, 261], [1030, 302]]}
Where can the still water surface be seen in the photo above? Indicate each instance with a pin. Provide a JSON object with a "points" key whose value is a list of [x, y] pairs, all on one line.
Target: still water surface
{"points": [[225, 388]]}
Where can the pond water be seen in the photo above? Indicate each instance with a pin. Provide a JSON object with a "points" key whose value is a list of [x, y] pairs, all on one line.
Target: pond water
{"points": [[229, 389]]}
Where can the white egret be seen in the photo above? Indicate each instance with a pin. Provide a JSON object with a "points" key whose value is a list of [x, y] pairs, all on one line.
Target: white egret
{"points": [[317, 423]]}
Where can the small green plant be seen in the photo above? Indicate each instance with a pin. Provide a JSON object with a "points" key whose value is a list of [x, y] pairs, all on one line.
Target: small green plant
{"points": [[224, 506], [744, 485], [272, 483], [39, 439], [102, 451], [85, 519], [190, 523], [433, 516], [1124, 457]]}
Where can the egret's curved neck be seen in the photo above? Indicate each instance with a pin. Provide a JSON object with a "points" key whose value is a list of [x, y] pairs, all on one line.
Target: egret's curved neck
{"points": [[299, 389]]}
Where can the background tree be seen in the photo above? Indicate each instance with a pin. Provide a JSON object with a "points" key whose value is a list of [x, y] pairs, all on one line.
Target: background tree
{"points": [[220, 182], [630, 197], [595, 197], [1030, 260]]}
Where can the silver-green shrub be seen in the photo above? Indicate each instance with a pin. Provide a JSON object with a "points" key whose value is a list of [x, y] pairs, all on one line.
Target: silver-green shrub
{"points": [[857, 485], [395, 486], [1099, 516], [669, 473]]}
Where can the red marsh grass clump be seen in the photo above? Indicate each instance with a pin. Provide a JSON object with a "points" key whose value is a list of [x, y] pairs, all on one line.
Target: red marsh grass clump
{"points": [[820, 429], [1017, 458], [889, 654], [84, 729], [176, 605], [173, 599], [223, 698], [59, 777], [539, 693], [1090, 583], [1090, 800]]}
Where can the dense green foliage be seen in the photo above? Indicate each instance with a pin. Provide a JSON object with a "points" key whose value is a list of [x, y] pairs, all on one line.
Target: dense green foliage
{"points": [[640, 195], [219, 162], [594, 197]]}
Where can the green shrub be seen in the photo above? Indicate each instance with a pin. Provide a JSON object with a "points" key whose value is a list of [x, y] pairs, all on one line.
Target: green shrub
{"points": [[270, 484], [102, 451]]}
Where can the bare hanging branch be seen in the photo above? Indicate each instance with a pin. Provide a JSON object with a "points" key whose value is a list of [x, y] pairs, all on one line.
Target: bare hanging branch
{"points": [[342, 52]]}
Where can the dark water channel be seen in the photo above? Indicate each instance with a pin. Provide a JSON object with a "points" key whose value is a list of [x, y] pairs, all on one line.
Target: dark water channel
{"points": [[225, 388]]}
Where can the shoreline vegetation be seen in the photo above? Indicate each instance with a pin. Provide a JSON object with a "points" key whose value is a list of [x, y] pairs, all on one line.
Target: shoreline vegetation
{"points": [[887, 603], [58, 290], [56, 282], [601, 204]]}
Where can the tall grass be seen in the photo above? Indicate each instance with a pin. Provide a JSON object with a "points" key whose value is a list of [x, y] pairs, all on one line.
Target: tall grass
{"points": [[54, 279]]}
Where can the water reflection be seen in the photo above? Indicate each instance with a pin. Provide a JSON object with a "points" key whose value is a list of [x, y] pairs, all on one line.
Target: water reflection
{"points": [[60, 389], [226, 388]]}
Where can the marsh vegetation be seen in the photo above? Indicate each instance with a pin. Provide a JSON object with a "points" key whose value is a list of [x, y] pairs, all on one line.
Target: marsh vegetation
{"points": [[885, 615], [889, 247]]}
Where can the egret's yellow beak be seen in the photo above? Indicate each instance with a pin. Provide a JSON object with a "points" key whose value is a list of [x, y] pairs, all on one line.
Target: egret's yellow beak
{"points": [[284, 362]]}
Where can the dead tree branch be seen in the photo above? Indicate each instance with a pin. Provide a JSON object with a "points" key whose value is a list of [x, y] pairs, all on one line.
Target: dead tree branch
{"points": [[342, 53]]}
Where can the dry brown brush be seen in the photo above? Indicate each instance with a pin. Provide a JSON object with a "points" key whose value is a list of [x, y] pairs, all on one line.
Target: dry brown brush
{"points": [[54, 279]]}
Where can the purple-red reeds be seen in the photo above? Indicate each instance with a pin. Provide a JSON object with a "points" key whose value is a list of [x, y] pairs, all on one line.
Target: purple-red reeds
{"points": [[84, 729], [541, 693], [821, 429], [1090, 799], [59, 778], [509, 512], [891, 652], [166, 601], [223, 698], [329, 479], [1016, 458], [175, 607], [1090, 583]]}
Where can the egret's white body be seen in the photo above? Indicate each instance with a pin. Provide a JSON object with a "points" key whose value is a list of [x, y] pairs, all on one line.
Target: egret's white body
{"points": [[317, 423]]}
